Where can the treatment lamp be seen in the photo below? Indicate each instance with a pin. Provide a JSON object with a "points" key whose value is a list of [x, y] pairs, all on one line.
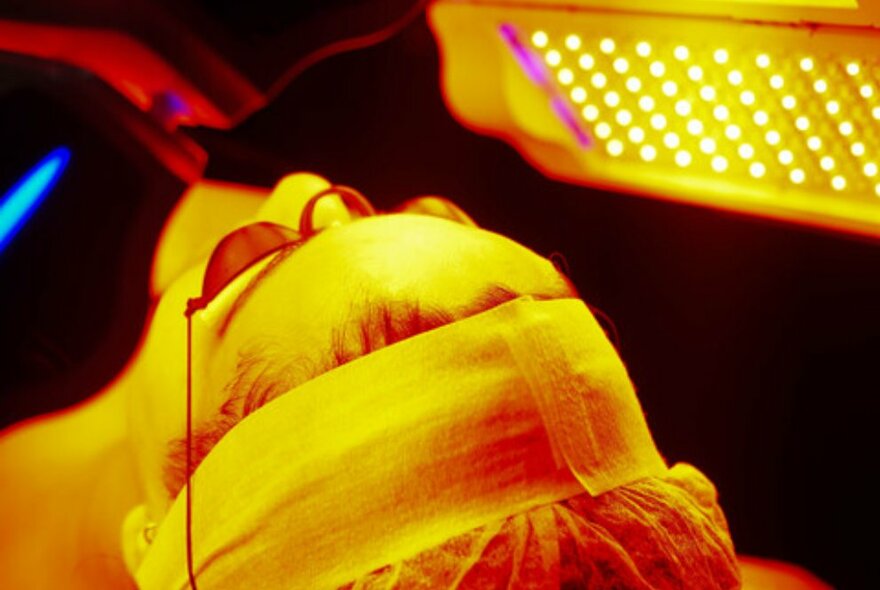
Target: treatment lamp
{"points": [[770, 110]]}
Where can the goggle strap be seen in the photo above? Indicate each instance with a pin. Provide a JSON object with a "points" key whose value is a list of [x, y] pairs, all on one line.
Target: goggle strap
{"points": [[189, 479]]}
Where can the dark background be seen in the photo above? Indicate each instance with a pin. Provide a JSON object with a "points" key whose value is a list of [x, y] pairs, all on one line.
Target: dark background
{"points": [[754, 345]]}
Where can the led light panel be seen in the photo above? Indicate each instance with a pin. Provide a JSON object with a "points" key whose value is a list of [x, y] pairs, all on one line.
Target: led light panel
{"points": [[773, 120], [728, 107]]}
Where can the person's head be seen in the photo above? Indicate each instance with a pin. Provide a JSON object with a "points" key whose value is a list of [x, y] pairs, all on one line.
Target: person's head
{"points": [[345, 292], [356, 288]]}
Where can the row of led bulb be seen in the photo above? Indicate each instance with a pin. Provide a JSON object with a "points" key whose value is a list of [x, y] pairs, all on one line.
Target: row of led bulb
{"points": [[685, 107]]}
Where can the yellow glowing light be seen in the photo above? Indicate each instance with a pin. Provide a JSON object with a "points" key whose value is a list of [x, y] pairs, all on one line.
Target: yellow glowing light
{"points": [[695, 73], [707, 93], [776, 81], [838, 183], [612, 99], [797, 176], [671, 140], [735, 77], [646, 103], [657, 69], [802, 123], [658, 121], [875, 112], [833, 107], [633, 84], [877, 189], [857, 149], [747, 97], [814, 143], [820, 86], [636, 135], [586, 61], [603, 130], [683, 158], [746, 151], [624, 117], [590, 112], [757, 169], [539, 39], [707, 145], [669, 88], [607, 45], [732, 132], [598, 80], [573, 42], [565, 76], [721, 112], [621, 65], [826, 163], [772, 137], [681, 53], [643, 48], [866, 91], [695, 126], [763, 60], [807, 64], [578, 94], [761, 117], [870, 169], [553, 57], [648, 153], [786, 157], [721, 56], [719, 163], [683, 107], [615, 147], [788, 102], [852, 68]]}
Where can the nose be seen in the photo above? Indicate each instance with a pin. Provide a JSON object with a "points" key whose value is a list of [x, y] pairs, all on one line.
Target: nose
{"points": [[290, 196]]}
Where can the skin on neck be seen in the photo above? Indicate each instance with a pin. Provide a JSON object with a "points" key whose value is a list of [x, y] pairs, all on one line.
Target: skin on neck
{"points": [[74, 482]]}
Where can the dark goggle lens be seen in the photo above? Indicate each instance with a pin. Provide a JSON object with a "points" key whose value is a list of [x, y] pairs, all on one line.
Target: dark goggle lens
{"points": [[238, 251]]}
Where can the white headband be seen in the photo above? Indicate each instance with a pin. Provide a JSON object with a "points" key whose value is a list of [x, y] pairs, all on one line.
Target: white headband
{"points": [[395, 452]]}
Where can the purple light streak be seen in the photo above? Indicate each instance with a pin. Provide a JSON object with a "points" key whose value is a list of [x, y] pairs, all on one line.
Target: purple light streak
{"points": [[533, 66], [564, 112], [531, 63]]}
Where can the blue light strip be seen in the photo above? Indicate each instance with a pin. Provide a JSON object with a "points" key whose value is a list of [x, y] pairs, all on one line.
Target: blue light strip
{"points": [[20, 202]]}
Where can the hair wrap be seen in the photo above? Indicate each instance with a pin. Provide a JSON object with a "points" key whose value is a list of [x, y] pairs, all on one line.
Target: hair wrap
{"points": [[395, 452]]}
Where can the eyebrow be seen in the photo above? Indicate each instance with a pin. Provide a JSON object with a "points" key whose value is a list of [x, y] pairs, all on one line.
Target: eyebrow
{"points": [[250, 375], [277, 258]]}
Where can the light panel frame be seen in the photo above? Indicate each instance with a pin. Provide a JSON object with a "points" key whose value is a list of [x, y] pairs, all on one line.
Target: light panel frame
{"points": [[486, 89]]}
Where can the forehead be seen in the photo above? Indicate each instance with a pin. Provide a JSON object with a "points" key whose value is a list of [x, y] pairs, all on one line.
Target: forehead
{"points": [[414, 256], [400, 248]]}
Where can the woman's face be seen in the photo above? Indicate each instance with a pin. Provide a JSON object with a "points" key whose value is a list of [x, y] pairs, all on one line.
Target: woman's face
{"points": [[279, 319]]}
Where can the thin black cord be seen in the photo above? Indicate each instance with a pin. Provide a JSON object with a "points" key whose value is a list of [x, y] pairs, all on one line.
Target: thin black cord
{"points": [[189, 481], [344, 46], [607, 325]]}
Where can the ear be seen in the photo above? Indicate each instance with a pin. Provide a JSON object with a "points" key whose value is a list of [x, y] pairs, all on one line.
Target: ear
{"points": [[137, 534]]}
